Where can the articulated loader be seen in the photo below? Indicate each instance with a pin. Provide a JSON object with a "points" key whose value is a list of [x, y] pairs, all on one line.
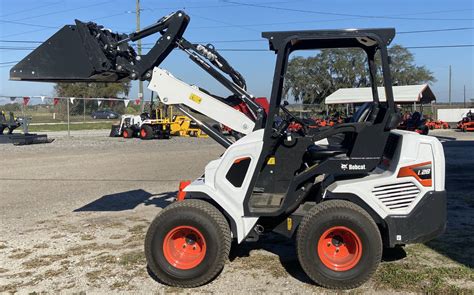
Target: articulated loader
{"points": [[343, 192]]}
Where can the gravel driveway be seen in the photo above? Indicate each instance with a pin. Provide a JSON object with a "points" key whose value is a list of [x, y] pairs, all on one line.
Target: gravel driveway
{"points": [[74, 214]]}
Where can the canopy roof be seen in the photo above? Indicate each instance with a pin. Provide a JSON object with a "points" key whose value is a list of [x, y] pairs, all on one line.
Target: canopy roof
{"points": [[402, 95]]}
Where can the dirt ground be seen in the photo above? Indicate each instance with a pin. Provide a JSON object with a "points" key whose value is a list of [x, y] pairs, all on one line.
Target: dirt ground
{"points": [[74, 214]]}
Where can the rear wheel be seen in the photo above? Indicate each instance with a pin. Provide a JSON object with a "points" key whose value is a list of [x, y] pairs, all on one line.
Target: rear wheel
{"points": [[127, 133], [187, 243], [338, 245], [146, 132]]}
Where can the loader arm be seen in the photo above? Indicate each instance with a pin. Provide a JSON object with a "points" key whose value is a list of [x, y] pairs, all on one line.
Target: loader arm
{"points": [[87, 52], [173, 91]]}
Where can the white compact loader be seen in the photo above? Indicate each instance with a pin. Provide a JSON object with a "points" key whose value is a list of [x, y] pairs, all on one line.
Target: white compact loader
{"points": [[343, 192]]}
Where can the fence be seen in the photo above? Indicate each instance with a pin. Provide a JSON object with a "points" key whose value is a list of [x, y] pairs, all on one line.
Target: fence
{"points": [[53, 113]]}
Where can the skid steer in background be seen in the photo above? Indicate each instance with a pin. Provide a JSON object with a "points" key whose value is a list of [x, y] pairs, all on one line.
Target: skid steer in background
{"points": [[343, 192]]}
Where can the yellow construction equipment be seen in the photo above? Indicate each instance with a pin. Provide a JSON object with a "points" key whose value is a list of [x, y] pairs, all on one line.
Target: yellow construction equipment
{"points": [[184, 126]]}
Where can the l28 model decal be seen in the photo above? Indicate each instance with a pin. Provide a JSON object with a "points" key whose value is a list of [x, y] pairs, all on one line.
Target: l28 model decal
{"points": [[421, 172]]}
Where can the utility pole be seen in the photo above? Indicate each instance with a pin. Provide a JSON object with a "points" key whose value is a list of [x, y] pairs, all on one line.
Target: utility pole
{"points": [[449, 91], [464, 96], [139, 49]]}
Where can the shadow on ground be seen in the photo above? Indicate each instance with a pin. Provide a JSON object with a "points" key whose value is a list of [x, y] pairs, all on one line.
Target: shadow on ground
{"points": [[128, 201], [285, 249], [454, 243]]}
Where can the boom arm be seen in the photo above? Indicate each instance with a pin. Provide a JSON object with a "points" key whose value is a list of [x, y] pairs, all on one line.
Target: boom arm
{"points": [[173, 91]]}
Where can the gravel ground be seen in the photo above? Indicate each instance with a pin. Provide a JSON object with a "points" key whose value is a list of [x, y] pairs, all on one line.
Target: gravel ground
{"points": [[74, 214]]}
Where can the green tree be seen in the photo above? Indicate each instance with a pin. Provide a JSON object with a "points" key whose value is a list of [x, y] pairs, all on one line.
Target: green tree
{"points": [[84, 90], [311, 79]]}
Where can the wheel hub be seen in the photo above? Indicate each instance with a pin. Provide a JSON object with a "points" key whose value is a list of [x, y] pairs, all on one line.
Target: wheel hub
{"points": [[339, 248], [184, 247]]}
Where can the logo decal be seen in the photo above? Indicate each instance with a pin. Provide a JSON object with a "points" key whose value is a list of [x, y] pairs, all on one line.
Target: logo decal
{"points": [[352, 167]]}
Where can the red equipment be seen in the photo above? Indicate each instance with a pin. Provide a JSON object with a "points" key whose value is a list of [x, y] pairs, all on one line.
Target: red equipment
{"points": [[467, 123]]}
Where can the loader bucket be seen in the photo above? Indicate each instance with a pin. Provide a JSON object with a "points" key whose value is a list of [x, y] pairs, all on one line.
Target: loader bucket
{"points": [[70, 55]]}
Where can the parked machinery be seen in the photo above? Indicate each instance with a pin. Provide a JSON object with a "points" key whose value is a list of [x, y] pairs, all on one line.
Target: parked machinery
{"points": [[436, 124], [467, 122], [19, 138], [414, 122], [11, 124]]}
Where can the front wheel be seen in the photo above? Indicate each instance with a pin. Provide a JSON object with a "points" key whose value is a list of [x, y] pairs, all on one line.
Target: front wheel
{"points": [[338, 245], [187, 243]]}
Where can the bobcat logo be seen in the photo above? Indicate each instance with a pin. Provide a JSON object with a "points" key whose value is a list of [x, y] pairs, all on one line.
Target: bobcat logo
{"points": [[348, 166]]}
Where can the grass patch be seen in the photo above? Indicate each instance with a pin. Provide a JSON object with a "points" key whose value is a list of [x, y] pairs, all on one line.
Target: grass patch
{"points": [[137, 229], [73, 127], [132, 258], [264, 264], [418, 278], [106, 259], [94, 276], [41, 246], [43, 260], [20, 254], [87, 237], [116, 237]]}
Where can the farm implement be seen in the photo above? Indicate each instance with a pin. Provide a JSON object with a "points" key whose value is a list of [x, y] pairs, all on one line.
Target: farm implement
{"points": [[343, 192], [24, 138]]}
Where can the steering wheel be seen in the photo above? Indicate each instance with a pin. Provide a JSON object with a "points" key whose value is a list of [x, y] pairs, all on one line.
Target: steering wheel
{"points": [[293, 118]]}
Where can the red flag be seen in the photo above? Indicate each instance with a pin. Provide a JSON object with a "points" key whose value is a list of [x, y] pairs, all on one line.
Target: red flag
{"points": [[26, 100], [55, 101], [137, 101]]}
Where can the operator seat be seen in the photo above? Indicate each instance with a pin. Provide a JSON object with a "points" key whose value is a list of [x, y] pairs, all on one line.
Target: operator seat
{"points": [[340, 143]]}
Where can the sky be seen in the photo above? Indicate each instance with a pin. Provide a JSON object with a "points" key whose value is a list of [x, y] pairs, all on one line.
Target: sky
{"points": [[237, 24]]}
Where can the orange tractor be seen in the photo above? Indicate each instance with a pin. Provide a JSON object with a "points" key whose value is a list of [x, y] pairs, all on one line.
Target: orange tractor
{"points": [[467, 123], [432, 124]]}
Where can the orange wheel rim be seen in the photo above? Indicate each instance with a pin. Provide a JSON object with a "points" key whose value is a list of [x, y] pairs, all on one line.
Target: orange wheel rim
{"points": [[143, 133], [339, 248], [125, 134], [184, 247]]}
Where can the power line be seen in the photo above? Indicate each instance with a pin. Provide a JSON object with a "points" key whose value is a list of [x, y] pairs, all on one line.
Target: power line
{"points": [[67, 10], [436, 30], [264, 40], [9, 62], [30, 9], [20, 41], [25, 24], [45, 14], [440, 46], [344, 14]]}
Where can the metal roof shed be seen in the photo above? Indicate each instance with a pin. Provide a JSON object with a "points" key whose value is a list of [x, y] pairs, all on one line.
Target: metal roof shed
{"points": [[402, 94]]}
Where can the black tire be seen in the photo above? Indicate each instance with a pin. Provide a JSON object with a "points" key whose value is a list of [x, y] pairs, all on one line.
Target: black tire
{"points": [[343, 215], [424, 130], [146, 132], [210, 223], [128, 133]]}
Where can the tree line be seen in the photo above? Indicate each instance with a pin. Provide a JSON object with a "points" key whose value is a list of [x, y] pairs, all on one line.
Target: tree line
{"points": [[311, 79]]}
